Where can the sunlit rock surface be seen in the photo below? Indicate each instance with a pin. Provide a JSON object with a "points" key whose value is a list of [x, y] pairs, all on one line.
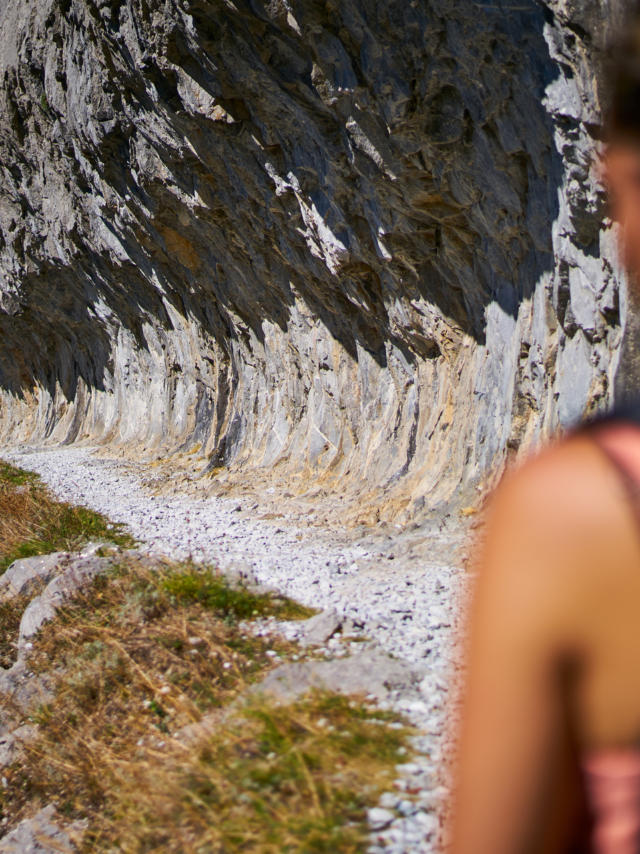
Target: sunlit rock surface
{"points": [[351, 243]]}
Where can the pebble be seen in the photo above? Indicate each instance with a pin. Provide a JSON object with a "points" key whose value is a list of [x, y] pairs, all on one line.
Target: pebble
{"points": [[379, 818]]}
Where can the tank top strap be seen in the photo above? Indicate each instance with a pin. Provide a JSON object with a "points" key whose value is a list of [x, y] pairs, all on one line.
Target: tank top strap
{"points": [[620, 441], [617, 434]]}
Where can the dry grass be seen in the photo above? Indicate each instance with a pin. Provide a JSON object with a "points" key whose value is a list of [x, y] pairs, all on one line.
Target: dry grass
{"points": [[32, 522], [10, 616], [275, 779], [135, 662], [144, 653]]}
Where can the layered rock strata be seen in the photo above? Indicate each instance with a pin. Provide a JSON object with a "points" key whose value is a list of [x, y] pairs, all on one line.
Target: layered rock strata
{"points": [[359, 243]]}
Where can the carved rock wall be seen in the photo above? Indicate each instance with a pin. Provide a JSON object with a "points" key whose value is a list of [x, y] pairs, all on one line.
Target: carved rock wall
{"points": [[351, 243]]}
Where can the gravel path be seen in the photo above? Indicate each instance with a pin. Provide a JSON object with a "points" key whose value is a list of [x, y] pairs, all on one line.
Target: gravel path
{"points": [[403, 590]]}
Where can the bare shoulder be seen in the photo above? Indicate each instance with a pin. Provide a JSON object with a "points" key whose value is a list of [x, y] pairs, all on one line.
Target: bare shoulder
{"points": [[560, 539], [563, 512], [568, 487]]}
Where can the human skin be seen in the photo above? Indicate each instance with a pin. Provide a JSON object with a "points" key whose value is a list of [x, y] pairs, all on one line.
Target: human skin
{"points": [[553, 645], [621, 172]]}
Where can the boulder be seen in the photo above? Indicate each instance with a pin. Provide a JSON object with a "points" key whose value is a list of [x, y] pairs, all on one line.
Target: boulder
{"points": [[321, 628], [371, 673], [27, 574]]}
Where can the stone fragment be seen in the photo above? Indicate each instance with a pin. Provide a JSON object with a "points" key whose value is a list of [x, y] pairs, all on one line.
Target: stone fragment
{"points": [[428, 821], [94, 546], [42, 834], [25, 687], [321, 628], [379, 818], [389, 800], [25, 574], [11, 742]]}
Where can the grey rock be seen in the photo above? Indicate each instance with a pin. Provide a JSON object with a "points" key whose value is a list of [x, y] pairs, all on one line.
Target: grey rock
{"points": [[407, 807], [322, 627], [25, 575], [371, 672], [389, 800], [94, 546], [42, 834], [379, 818], [11, 742], [576, 377], [24, 687], [80, 572]]}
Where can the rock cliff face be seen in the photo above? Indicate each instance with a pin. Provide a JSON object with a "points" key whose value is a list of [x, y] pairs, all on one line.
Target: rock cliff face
{"points": [[358, 241]]}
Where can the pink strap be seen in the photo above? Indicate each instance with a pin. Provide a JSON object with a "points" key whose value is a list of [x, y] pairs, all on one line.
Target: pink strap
{"points": [[612, 778], [621, 443]]}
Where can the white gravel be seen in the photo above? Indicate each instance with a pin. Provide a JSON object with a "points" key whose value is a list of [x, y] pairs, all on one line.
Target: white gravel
{"points": [[407, 600]]}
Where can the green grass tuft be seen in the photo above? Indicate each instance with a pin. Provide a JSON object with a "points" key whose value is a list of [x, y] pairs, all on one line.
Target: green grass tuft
{"points": [[15, 477], [192, 585], [33, 522]]}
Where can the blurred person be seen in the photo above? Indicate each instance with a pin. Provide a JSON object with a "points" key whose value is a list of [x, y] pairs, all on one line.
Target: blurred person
{"points": [[550, 745]]}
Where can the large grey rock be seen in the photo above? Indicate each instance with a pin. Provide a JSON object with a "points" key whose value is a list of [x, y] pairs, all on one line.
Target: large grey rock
{"points": [[42, 834], [25, 575], [43, 608], [347, 240], [371, 672]]}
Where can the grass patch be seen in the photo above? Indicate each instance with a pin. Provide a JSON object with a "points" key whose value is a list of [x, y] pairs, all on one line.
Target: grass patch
{"points": [[15, 477], [172, 646], [148, 650], [33, 522], [277, 779], [131, 666], [193, 586], [297, 778]]}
